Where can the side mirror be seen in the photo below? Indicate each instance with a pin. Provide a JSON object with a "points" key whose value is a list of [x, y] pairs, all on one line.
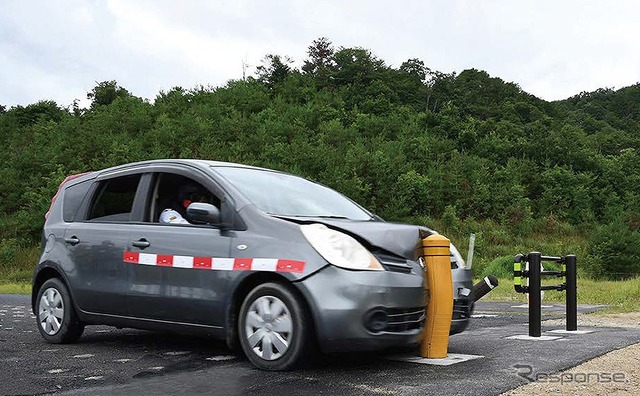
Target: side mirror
{"points": [[200, 212]]}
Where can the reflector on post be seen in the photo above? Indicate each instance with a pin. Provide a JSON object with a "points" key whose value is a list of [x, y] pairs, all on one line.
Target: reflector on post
{"points": [[438, 295]]}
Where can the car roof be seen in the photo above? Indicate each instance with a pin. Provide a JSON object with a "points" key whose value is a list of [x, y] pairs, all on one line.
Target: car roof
{"points": [[192, 162], [132, 166]]}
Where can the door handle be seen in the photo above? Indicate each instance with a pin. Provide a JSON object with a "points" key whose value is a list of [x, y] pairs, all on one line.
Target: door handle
{"points": [[73, 241], [142, 243]]}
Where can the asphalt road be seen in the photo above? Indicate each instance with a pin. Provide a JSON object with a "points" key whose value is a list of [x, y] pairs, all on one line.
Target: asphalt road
{"points": [[108, 361]]}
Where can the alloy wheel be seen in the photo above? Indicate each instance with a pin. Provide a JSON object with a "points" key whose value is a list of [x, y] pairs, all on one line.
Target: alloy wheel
{"points": [[51, 311], [269, 327]]}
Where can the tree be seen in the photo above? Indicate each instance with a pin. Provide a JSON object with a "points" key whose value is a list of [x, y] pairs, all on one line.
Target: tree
{"points": [[614, 251], [320, 54], [274, 70], [410, 83], [357, 66], [440, 89], [416, 69], [320, 63], [105, 93], [46, 110]]}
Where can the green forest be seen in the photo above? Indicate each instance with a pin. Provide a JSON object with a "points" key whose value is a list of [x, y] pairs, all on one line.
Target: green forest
{"points": [[460, 153]]}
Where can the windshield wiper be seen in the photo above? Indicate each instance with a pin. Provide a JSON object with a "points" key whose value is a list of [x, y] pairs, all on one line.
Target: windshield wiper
{"points": [[371, 218], [310, 216]]}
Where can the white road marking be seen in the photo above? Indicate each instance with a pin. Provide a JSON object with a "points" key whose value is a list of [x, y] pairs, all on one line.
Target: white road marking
{"points": [[157, 368], [177, 353], [97, 377], [57, 371], [86, 355], [122, 360], [221, 358]]}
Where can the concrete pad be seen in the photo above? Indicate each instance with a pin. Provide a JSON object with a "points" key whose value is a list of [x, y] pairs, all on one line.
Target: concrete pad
{"points": [[526, 337], [562, 331], [452, 358], [526, 306]]}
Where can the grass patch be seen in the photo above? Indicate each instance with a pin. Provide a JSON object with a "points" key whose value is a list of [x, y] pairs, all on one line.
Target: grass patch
{"points": [[621, 296], [17, 262], [15, 288], [16, 266]]}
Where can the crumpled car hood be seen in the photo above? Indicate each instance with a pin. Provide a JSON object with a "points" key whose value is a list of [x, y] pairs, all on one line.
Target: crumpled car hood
{"points": [[399, 239]]}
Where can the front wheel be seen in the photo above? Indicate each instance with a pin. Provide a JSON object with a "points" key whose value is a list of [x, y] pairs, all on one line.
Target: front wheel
{"points": [[274, 327], [55, 315]]}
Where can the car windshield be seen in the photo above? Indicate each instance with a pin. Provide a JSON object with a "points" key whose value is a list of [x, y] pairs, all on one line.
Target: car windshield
{"points": [[282, 194]]}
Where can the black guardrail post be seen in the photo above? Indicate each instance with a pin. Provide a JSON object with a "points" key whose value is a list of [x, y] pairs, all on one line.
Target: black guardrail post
{"points": [[535, 316], [534, 273], [572, 292]]}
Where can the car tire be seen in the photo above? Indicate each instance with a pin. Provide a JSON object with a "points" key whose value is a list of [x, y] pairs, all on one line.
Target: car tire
{"points": [[55, 314], [274, 327]]}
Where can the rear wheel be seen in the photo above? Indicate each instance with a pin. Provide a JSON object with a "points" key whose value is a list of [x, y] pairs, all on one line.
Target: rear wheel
{"points": [[274, 327], [55, 315]]}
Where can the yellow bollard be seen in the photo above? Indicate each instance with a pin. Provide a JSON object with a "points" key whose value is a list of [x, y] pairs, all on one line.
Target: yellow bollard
{"points": [[439, 297]]}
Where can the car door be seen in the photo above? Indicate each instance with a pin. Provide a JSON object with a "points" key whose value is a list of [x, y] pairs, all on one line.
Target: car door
{"points": [[96, 240], [173, 274]]}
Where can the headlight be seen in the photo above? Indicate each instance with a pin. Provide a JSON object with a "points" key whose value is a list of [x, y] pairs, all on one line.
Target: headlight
{"points": [[456, 256], [339, 249]]}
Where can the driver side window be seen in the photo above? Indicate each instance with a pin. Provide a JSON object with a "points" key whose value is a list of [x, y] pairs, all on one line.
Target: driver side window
{"points": [[172, 194]]}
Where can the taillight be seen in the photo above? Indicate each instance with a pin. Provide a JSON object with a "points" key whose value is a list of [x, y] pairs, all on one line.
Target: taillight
{"points": [[66, 179]]}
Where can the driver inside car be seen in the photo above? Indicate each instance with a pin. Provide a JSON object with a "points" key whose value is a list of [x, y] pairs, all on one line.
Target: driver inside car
{"points": [[177, 213]]}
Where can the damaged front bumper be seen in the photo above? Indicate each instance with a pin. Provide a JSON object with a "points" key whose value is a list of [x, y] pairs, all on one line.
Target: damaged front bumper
{"points": [[358, 311]]}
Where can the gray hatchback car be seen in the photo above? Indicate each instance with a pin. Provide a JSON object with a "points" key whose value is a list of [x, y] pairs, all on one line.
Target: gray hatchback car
{"points": [[265, 260]]}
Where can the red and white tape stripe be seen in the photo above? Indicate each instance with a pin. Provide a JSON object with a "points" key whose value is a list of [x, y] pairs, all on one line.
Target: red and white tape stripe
{"points": [[216, 264]]}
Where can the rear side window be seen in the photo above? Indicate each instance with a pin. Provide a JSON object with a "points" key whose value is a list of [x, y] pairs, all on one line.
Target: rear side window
{"points": [[73, 197], [114, 199]]}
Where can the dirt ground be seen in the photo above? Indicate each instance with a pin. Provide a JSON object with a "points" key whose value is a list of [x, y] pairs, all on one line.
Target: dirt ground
{"points": [[616, 373]]}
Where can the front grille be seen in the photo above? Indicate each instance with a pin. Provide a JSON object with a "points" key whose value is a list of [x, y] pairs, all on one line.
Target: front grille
{"points": [[461, 309], [405, 319]]}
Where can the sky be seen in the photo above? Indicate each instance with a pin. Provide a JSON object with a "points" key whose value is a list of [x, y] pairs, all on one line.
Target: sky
{"points": [[59, 50]]}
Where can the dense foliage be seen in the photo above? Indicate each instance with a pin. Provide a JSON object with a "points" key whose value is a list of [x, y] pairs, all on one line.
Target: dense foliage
{"points": [[407, 142]]}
